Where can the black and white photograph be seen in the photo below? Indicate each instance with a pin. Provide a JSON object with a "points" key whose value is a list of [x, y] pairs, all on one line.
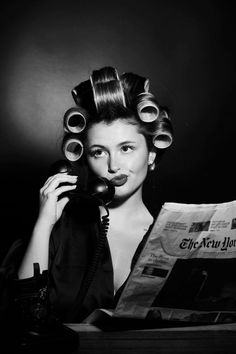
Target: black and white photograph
{"points": [[109, 110]]}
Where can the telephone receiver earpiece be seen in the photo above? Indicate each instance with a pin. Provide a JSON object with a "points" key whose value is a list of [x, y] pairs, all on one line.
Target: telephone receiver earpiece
{"points": [[98, 188]]}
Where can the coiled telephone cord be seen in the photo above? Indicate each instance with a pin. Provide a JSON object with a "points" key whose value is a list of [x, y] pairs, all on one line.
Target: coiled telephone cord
{"points": [[93, 267]]}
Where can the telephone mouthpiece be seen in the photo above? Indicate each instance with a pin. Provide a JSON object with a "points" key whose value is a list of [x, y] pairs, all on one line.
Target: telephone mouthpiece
{"points": [[102, 189]]}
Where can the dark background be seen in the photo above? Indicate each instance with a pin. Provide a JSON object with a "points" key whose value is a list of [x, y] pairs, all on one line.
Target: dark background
{"points": [[186, 48]]}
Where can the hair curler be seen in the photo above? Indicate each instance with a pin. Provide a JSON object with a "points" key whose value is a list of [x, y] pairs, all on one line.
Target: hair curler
{"points": [[162, 139], [108, 93], [164, 136], [107, 88], [74, 120], [72, 147], [147, 107]]}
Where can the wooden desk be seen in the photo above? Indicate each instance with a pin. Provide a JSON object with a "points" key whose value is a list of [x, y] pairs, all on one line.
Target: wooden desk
{"points": [[199, 339]]}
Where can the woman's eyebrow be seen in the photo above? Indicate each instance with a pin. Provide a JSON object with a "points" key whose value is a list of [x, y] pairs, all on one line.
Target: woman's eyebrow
{"points": [[105, 147], [127, 142], [96, 146]]}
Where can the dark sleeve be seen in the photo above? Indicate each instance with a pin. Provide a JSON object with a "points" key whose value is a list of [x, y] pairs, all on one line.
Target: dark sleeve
{"points": [[72, 247]]}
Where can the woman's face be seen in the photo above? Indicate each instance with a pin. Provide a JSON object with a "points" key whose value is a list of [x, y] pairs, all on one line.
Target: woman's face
{"points": [[118, 152]]}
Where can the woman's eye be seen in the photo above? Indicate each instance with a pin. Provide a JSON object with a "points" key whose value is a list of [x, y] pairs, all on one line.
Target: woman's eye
{"points": [[97, 153], [127, 148]]}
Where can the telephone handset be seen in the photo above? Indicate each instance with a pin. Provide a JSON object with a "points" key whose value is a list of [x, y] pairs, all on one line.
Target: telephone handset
{"points": [[98, 189]]}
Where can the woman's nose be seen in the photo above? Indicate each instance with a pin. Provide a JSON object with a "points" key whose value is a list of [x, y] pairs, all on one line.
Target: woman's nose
{"points": [[113, 164]]}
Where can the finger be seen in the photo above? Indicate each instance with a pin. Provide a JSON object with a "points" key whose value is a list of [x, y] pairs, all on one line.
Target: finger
{"points": [[55, 175], [55, 181], [63, 176], [54, 194], [63, 189]]}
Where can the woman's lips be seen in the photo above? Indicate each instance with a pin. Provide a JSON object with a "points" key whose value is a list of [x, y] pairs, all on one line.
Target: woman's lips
{"points": [[119, 180]]}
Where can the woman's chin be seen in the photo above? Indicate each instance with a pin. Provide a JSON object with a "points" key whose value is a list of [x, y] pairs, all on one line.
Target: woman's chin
{"points": [[120, 197]]}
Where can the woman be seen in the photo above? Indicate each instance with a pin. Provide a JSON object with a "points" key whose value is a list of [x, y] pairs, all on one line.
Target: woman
{"points": [[117, 131]]}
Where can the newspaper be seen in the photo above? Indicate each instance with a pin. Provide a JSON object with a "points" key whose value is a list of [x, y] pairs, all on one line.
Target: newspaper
{"points": [[187, 269]]}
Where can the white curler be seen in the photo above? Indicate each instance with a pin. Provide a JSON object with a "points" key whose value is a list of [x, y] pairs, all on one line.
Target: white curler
{"points": [[162, 139], [72, 148], [147, 108], [74, 120]]}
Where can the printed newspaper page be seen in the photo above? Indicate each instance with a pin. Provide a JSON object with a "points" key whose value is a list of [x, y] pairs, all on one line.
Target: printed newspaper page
{"points": [[187, 269]]}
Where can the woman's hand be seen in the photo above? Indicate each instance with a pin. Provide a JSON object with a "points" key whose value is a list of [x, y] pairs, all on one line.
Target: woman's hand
{"points": [[51, 206]]}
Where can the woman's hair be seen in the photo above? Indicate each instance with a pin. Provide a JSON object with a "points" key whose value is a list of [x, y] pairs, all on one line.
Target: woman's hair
{"points": [[106, 97]]}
